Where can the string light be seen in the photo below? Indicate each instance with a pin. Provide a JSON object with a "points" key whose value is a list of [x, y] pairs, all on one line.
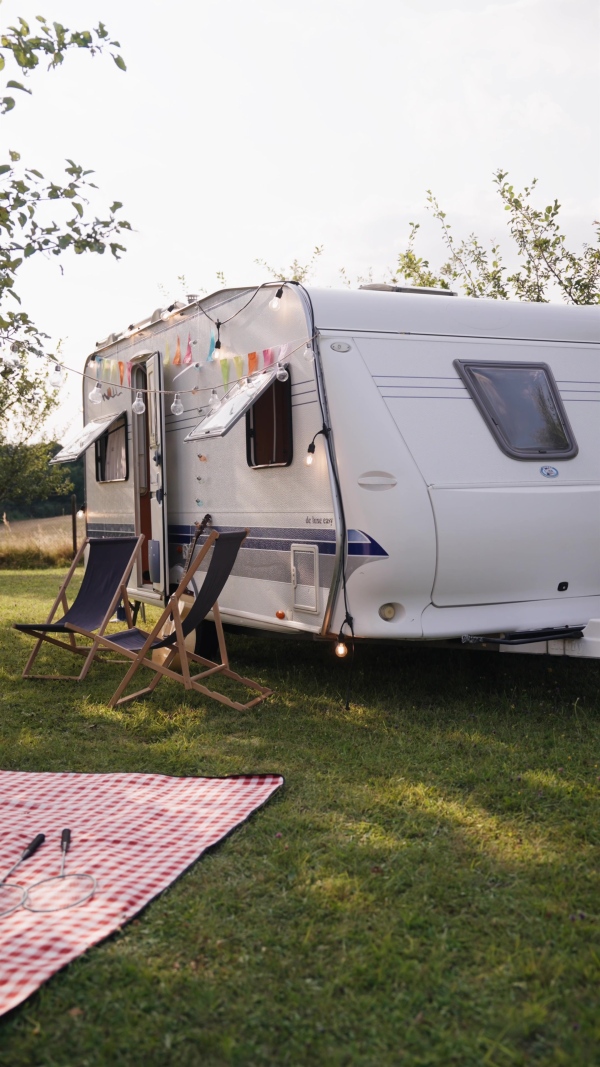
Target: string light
{"points": [[138, 406], [177, 406], [95, 397], [275, 303], [282, 373], [310, 455], [308, 353], [214, 401], [341, 649], [56, 378]]}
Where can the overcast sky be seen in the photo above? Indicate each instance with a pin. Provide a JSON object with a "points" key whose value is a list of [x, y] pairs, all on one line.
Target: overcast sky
{"points": [[259, 130]]}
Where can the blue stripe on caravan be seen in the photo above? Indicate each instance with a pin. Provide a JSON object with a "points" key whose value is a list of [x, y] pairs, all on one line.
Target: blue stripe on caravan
{"points": [[276, 539]]}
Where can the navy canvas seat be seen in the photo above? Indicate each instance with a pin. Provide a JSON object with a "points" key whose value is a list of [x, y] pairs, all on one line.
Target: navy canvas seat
{"points": [[138, 645], [104, 584]]}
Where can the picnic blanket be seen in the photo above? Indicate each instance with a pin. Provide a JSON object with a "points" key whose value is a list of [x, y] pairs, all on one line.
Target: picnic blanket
{"points": [[134, 832]]}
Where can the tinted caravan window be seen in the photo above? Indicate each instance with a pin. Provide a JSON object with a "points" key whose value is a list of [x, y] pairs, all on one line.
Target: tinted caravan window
{"points": [[269, 427], [522, 407], [111, 453]]}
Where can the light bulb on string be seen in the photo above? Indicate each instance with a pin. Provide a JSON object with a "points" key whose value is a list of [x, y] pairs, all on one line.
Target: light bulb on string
{"points": [[214, 401], [138, 406], [57, 376], [177, 406], [95, 397], [282, 373], [308, 354], [275, 303], [310, 454], [341, 649]]}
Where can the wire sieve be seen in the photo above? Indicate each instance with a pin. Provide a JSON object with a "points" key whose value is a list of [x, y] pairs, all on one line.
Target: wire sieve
{"points": [[61, 891]]}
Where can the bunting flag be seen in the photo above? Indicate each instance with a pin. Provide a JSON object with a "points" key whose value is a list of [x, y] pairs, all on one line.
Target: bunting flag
{"points": [[167, 356], [99, 365], [128, 369], [188, 352], [252, 362], [225, 371], [121, 372], [268, 354], [239, 366], [211, 346], [284, 350], [177, 359], [114, 371]]}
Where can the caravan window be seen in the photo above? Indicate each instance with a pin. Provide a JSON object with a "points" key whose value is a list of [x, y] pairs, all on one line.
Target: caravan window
{"points": [[521, 404], [111, 453], [269, 427]]}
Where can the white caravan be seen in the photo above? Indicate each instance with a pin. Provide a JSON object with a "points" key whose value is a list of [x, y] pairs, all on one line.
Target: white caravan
{"points": [[454, 488]]}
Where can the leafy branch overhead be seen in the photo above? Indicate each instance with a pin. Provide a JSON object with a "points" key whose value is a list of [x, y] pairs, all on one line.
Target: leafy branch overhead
{"points": [[546, 266], [29, 221]]}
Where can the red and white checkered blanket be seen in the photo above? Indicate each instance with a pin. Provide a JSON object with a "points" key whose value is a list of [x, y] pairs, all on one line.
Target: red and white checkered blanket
{"points": [[134, 832]]}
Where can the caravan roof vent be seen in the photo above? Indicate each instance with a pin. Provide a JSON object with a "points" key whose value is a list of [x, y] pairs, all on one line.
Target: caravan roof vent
{"points": [[110, 340], [383, 288]]}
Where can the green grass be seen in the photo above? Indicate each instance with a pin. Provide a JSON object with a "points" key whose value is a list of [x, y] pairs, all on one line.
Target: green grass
{"points": [[425, 891]]}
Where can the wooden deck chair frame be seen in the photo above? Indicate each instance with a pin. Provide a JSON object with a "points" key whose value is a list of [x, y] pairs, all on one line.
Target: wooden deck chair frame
{"points": [[71, 645], [141, 657]]}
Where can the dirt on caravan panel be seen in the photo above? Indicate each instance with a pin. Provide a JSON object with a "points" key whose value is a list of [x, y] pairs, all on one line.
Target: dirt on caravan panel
{"points": [[414, 515]]}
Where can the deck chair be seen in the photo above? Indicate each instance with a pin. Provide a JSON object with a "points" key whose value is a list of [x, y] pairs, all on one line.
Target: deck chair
{"points": [[138, 645], [104, 584]]}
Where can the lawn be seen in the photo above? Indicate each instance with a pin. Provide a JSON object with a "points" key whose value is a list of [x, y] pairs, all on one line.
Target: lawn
{"points": [[424, 891]]}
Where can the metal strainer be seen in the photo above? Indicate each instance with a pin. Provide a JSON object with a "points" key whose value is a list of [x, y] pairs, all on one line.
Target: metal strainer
{"points": [[61, 891]]}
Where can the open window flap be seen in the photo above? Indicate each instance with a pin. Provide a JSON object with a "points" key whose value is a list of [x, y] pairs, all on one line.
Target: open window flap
{"points": [[86, 437], [233, 405]]}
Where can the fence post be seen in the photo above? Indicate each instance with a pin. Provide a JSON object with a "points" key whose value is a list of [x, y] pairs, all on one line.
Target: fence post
{"points": [[74, 522]]}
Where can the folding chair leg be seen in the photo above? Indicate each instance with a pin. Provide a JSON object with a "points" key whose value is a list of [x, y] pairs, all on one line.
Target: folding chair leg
{"points": [[89, 660], [33, 655]]}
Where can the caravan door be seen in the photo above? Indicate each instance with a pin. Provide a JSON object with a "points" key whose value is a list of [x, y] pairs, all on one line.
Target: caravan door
{"points": [[157, 469]]}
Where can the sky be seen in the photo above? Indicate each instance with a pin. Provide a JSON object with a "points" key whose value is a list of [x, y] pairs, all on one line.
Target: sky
{"points": [[245, 131]]}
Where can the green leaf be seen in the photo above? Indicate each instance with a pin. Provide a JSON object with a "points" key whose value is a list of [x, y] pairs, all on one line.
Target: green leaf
{"points": [[29, 251], [17, 85], [2, 62], [8, 103], [14, 156], [115, 207], [5, 168], [120, 62]]}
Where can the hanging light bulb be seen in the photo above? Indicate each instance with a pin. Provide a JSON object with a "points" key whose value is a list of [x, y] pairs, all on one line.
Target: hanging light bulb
{"points": [[56, 378], [214, 401], [275, 303], [308, 353], [95, 397], [177, 406], [310, 454], [341, 649], [282, 374], [138, 406]]}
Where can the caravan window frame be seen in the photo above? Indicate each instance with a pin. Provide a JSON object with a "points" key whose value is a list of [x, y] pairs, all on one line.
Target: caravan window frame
{"points": [[492, 416], [285, 391], [100, 456]]}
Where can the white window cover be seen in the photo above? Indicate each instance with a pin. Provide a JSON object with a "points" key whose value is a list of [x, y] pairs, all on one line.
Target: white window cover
{"points": [[86, 437], [234, 404]]}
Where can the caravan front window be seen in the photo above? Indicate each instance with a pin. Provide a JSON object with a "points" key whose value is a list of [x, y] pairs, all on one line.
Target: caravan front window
{"points": [[269, 427], [521, 404], [111, 453]]}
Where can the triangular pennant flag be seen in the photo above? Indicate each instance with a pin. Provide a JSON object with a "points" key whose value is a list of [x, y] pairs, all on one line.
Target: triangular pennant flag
{"points": [[114, 376], [285, 350], [267, 357], [225, 370], [211, 346], [167, 356], [252, 362], [128, 369], [177, 359], [121, 372], [188, 351], [239, 366], [99, 362]]}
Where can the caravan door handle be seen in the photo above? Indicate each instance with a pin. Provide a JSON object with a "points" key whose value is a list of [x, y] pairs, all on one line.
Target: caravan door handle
{"points": [[157, 459]]}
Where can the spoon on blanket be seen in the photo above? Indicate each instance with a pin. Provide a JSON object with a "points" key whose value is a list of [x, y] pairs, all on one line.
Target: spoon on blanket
{"points": [[12, 896]]}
